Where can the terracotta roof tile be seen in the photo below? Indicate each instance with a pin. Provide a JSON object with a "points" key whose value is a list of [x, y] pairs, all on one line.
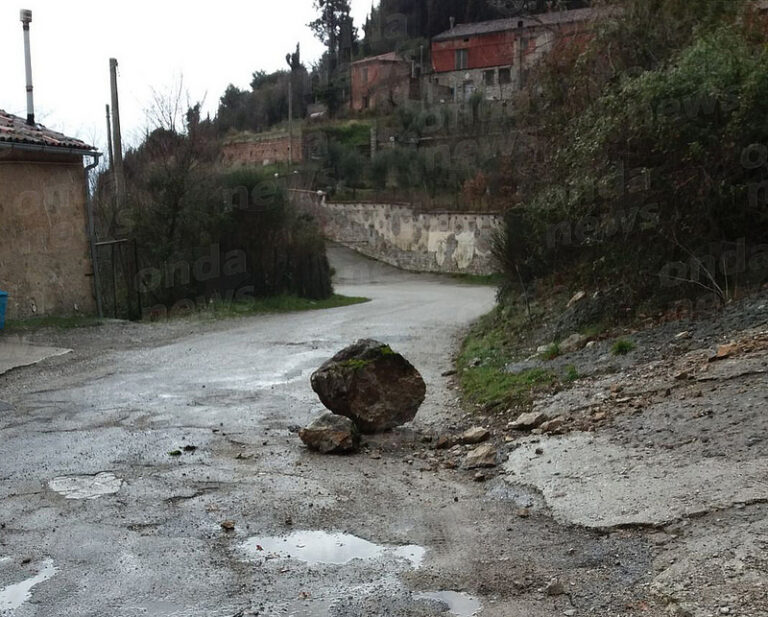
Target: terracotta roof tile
{"points": [[16, 130], [503, 25], [390, 57]]}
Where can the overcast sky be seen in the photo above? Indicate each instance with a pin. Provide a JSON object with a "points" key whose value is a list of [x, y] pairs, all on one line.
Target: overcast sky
{"points": [[212, 44]]}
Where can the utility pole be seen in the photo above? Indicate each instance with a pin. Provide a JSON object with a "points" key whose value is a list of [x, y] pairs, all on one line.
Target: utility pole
{"points": [[109, 141], [520, 58], [117, 154], [290, 118]]}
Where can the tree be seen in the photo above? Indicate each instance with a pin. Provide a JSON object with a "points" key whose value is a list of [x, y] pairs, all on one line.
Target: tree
{"points": [[334, 26]]}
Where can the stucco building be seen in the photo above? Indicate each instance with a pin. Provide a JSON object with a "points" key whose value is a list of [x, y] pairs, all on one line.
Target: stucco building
{"points": [[492, 57], [45, 253], [381, 81]]}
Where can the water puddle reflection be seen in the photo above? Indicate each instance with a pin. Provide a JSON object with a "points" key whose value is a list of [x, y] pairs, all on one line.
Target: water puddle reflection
{"points": [[13, 596], [459, 604], [86, 487], [315, 547]]}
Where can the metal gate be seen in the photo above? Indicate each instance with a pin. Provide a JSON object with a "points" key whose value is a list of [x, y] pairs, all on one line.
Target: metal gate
{"points": [[118, 295]]}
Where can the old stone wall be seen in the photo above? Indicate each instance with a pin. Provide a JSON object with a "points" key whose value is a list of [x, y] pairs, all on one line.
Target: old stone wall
{"points": [[45, 263], [454, 242], [262, 150]]}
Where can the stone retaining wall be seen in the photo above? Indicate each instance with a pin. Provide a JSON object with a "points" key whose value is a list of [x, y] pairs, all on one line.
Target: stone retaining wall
{"points": [[454, 242]]}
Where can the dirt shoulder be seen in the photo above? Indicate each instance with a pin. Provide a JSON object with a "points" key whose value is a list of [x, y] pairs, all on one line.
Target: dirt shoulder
{"points": [[666, 441]]}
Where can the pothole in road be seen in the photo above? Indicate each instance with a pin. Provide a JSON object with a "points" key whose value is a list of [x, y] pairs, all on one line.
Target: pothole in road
{"points": [[459, 604], [319, 547], [519, 495], [86, 487], [13, 596]]}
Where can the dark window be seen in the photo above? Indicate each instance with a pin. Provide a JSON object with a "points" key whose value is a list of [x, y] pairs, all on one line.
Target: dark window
{"points": [[505, 76], [462, 59], [365, 76], [489, 77]]}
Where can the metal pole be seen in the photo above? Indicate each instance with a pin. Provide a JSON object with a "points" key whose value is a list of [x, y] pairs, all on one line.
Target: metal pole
{"points": [[26, 19]]}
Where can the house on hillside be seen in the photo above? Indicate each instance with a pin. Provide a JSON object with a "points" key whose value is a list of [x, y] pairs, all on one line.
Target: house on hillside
{"points": [[45, 253], [492, 57], [381, 81]]}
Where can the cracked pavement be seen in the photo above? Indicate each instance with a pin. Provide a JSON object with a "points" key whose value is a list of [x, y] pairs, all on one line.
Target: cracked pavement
{"points": [[98, 518]]}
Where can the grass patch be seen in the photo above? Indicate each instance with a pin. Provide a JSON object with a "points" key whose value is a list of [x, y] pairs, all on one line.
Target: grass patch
{"points": [[593, 331], [489, 384], [356, 364], [489, 280], [571, 374], [280, 304], [57, 323], [622, 347], [552, 352]]}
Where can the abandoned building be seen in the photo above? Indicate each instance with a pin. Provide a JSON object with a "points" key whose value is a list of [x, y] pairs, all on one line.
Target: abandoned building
{"points": [[492, 57], [382, 82], [45, 256]]}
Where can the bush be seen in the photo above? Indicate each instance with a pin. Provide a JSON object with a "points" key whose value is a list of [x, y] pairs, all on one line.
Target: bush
{"points": [[622, 347], [204, 235], [640, 183]]}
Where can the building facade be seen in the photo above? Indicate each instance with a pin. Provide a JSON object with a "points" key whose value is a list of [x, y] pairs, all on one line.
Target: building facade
{"points": [[45, 253], [493, 57], [381, 82]]}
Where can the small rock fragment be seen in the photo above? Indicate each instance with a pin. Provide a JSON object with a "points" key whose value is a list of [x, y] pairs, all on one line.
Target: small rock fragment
{"points": [[577, 297], [228, 525], [482, 456], [474, 435], [573, 343], [724, 351], [555, 424], [444, 442], [554, 588], [527, 421], [331, 434]]}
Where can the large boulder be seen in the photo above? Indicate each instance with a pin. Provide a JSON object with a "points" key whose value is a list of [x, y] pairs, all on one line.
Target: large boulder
{"points": [[331, 434], [370, 384]]}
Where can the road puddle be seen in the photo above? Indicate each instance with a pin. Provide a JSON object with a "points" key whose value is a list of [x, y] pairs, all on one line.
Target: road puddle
{"points": [[315, 547], [459, 604], [13, 596], [86, 487]]}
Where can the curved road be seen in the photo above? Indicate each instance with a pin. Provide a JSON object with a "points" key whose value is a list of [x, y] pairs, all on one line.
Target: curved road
{"points": [[99, 519]]}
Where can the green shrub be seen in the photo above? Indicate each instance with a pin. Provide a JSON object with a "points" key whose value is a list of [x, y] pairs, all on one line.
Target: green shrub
{"points": [[552, 352], [622, 347]]}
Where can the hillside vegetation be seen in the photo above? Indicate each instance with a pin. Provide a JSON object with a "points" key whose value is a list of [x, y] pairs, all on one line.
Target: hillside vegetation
{"points": [[644, 185]]}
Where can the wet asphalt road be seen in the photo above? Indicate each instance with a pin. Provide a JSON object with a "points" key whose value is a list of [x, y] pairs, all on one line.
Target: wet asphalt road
{"points": [[150, 541]]}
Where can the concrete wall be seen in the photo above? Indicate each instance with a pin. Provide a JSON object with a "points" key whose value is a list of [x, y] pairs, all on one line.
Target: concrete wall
{"points": [[45, 263], [399, 235]]}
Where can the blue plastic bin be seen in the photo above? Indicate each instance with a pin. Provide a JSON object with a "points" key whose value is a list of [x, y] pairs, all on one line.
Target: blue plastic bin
{"points": [[3, 305]]}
